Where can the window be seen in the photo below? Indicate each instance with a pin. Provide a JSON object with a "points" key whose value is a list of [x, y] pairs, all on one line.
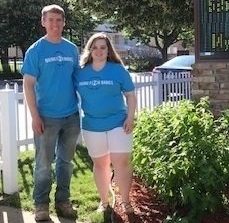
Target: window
{"points": [[116, 39]]}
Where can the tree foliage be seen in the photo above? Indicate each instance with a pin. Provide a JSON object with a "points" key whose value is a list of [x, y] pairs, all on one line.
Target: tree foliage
{"points": [[20, 24], [80, 23], [164, 21]]}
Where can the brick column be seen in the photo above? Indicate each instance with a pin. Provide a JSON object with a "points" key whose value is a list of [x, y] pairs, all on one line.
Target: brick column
{"points": [[212, 79]]}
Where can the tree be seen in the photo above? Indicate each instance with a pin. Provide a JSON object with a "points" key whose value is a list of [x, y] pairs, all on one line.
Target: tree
{"points": [[164, 21], [4, 37], [21, 24], [23, 21], [80, 23]]}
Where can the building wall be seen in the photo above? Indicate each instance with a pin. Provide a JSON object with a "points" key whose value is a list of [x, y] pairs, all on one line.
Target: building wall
{"points": [[177, 47], [121, 44], [212, 79], [15, 52]]}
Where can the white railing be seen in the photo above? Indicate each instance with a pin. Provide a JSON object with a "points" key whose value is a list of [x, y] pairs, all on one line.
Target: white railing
{"points": [[8, 140], [145, 90], [16, 134], [15, 120], [155, 90], [175, 86]]}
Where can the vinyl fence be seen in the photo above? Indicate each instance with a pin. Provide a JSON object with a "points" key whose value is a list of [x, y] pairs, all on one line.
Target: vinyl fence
{"points": [[15, 120]]}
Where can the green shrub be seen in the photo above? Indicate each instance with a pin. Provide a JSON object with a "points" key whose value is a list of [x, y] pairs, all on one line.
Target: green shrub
{"points": [[143, 59], [182, 152], [10, 76]]}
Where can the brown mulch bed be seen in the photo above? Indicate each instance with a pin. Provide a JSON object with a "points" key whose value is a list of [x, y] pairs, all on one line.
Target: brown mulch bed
{"points": [[149, 209]]}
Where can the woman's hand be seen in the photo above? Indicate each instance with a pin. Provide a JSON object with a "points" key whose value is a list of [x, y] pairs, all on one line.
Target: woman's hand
{"points": [[131, 105], [128, 125]]}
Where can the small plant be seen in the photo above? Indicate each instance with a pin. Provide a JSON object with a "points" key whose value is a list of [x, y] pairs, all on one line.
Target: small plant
{"points": [[182, 152]]}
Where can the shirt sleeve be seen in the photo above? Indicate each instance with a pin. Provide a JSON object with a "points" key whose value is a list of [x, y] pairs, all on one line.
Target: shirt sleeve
{"points": [[76, 68], [30, 64], [127, 83]]}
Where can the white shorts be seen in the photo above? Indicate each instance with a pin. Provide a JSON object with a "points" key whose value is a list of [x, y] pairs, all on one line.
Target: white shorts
{"points": [[112, 141]]}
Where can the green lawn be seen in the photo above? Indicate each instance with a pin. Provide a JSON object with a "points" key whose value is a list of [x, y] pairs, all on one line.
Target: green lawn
{"points": [[83, 192], [12, 67]]}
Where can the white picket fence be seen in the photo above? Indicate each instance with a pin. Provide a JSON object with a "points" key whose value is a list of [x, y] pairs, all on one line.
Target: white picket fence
{"points": [[15, 134], [15, 120]]}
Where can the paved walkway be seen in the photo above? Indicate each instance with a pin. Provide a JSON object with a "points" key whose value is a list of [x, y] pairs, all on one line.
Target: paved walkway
{"points": [[13, 215]]}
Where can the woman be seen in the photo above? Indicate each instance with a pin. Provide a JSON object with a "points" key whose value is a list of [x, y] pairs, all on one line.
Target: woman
{"points": [[107, 123]]}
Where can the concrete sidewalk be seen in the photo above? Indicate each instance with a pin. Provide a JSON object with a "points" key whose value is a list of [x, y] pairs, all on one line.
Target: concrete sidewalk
{"points": [[14, 215]]}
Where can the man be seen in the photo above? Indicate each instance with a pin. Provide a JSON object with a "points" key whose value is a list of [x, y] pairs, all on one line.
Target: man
{"points": [[49, 71]]}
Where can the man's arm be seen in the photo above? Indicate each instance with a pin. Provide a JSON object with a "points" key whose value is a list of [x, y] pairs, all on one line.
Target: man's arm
{"points": [[28, 85]]}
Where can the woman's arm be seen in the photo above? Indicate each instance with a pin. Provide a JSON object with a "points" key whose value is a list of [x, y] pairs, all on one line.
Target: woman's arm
{"points": [[131, 105]]}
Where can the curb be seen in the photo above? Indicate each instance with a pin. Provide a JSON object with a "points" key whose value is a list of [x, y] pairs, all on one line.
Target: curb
{"points": [[15, 215]]}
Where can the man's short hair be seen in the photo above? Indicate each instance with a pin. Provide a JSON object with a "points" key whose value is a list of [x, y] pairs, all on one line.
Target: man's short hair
{"points": [[54, 9]]}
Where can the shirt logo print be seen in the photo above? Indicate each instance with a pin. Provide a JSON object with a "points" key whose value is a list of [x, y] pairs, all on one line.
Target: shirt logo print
{"points": [[96, 83]]}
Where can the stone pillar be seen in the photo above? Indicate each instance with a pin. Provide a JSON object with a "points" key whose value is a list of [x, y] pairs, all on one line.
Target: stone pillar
{"points": [[212, 79]]}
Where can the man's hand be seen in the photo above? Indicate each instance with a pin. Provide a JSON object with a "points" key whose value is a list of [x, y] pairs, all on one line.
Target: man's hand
{"points": [[37, 125]]}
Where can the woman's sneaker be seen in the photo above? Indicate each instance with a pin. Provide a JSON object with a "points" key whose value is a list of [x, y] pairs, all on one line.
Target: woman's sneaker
{"points": [[103, 207], [42, 212]]}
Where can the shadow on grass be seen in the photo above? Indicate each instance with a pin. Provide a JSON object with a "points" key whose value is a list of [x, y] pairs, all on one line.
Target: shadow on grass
{"points": [[85, 162], [9, 214], [10, 200], [82, 163], [24, 171]]}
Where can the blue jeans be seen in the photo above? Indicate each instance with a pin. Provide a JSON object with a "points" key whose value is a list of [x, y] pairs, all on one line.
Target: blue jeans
{"points": [[57, 143]]}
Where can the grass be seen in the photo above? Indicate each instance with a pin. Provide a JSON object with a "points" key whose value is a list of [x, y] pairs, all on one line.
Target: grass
{"points": [[12, 66], [83, 191]]}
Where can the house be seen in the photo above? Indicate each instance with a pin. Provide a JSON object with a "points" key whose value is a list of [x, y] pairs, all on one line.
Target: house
{"points": [[122, 45], [14, 52]]}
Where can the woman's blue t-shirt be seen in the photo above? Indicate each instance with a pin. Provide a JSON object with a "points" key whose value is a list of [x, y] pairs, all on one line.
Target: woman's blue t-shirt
{"points": [[102, 98]]}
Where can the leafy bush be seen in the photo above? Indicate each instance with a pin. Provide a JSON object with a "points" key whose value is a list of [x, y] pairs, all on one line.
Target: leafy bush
{"points": [[10, 76], [182, 152], [143, 59]]}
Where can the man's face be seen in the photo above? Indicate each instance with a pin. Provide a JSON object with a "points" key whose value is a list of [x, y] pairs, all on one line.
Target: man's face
{"points": [[53, 23]]}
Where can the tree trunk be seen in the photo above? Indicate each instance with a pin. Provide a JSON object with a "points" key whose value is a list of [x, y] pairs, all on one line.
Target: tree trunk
{"points": [[4, 60], [23, 50], [164, 53]]}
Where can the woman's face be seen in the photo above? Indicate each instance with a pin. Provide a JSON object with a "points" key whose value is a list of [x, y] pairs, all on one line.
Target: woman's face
{"points": [[99, 50]]}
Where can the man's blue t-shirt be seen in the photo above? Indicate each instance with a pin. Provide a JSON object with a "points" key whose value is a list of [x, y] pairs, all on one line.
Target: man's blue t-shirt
{"points": [[54, 66], [101, 92]]}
